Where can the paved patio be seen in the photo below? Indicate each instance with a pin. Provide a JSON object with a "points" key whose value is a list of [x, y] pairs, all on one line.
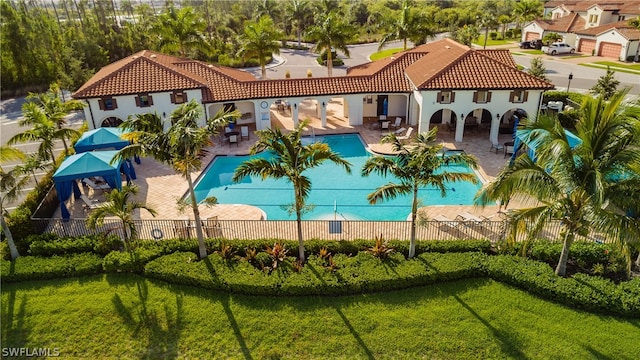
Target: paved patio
{"points": [[160, 187]]}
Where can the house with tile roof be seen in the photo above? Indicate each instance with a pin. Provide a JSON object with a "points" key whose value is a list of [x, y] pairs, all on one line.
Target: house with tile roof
{"points": [[442, 83], [594, 27]]}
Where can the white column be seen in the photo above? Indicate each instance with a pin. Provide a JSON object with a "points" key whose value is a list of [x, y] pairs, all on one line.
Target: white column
{"points": [[495, 127], [323, 112], [459, 129], [294, 113]]}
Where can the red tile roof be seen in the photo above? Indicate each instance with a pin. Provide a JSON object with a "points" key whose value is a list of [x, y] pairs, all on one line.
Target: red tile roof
{"points": [[621, 6], [143, 72], [570, 23], [444, 63], [623, 27]]}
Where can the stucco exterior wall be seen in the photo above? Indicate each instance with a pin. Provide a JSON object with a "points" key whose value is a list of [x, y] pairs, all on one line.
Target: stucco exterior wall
{"points": [[127, 107]]}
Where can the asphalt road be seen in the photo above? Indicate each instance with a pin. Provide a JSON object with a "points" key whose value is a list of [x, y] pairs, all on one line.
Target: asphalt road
{"points": [[10, 115]]}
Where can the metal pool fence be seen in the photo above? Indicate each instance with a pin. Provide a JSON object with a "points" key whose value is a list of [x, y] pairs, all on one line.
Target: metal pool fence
{"points": [[287, 230]]}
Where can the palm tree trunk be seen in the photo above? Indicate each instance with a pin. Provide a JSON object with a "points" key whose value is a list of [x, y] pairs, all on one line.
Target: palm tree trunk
{"points": [[414, 213], [404, 46], [561, 269], [263, 68], [126, 236], [7, 233], [329, 62], [202, 247], [299, 225], [638, 262], [299, 36]]}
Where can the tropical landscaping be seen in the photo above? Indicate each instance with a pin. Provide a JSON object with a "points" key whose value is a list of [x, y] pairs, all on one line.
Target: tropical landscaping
{"points": [[107, 295]]}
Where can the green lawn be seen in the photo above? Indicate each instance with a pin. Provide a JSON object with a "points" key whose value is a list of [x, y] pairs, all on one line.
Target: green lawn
{"points": [[127, 316], [384, 53], [490, 42], [616, 66]]}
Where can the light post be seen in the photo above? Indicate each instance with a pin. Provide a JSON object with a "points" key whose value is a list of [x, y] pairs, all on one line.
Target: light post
{"points": [[569, 85]]}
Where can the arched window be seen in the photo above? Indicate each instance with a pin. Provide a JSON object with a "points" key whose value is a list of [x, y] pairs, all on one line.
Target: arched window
{"points": [[111, 122]]}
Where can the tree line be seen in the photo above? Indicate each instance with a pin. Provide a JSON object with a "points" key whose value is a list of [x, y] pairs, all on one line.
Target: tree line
{"points": [[67, 41]]}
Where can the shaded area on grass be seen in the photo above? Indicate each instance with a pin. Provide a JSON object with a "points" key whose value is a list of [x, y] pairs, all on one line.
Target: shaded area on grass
{"points": [[462, 319]]}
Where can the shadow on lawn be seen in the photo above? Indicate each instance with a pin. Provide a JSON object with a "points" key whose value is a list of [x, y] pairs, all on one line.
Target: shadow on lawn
{"points": [[14, 333], [346, 321], [146, 322], [510, 346], [224, 300]]}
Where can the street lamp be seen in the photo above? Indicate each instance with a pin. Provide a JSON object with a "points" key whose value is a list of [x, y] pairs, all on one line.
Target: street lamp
{"points": [[569, 85]]}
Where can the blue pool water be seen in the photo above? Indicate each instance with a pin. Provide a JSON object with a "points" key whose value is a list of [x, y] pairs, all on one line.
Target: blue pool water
{"points": [[334, 192]]}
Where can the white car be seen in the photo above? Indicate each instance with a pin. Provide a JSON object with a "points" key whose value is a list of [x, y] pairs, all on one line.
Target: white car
{"points": [[558, 48]]}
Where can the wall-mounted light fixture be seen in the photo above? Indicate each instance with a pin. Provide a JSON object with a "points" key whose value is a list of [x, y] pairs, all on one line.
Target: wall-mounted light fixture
{"points": [[323, 104], [164, 114], [462, 116], [497, 116], [295, 106]]}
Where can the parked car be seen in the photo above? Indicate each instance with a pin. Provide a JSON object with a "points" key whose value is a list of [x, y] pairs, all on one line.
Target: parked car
{"points": [[532, 44], [558, 48]]}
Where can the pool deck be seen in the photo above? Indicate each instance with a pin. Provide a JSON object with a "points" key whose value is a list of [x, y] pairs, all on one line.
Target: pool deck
{"points": [[160, 187]]}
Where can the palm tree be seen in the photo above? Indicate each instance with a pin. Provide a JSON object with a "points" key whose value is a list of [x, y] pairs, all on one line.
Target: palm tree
{"points": [[119, 205], [180, 31], [331, 34], [416, 165], [11, 183], [290, 160], [298, 15], [527, 10], [42, 129], [406, 26], [260, 39], [588, 187], [181, 147], [55, 108]]}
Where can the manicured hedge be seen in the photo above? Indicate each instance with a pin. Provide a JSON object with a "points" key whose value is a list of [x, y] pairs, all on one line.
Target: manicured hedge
{"points": [[50, 244], [356, 274], [588, 257], [580, 291], [134, 261], [40, 268]]}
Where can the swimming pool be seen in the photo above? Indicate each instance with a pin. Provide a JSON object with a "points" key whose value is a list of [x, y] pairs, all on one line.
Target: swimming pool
{"points": [[334, 193]]}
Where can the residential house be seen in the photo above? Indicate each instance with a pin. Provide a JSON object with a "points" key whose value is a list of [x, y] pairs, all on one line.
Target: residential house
{"points": [[442, 83], [594, 27]]}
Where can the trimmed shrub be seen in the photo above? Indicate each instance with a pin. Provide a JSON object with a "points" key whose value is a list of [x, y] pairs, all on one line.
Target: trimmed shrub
{"points": [[356, 274], [50, 244], [581, 291], [322, 59], [134, 261], [40, 268]]}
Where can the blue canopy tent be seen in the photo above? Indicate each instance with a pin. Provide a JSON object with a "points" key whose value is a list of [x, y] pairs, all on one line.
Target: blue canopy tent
{"points": [[102, 138], [572, 139], [93, 163]]}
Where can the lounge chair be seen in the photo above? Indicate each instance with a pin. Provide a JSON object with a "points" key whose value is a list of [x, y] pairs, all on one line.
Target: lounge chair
{"points": [[466, 216], [384, 125], [450, 226], [244, 132], [182, 229], [95, 186], [212, 227], [406, 136], [91, 203]]}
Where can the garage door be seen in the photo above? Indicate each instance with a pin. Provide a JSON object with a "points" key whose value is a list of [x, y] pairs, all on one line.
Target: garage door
{"points": [[586, 46], [532, 36], [610, 50]]}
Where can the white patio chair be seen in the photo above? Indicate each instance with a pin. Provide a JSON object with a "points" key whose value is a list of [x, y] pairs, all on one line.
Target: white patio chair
{"points": [[397, 123], [244, 132], [233, 139], [406, 136]]}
